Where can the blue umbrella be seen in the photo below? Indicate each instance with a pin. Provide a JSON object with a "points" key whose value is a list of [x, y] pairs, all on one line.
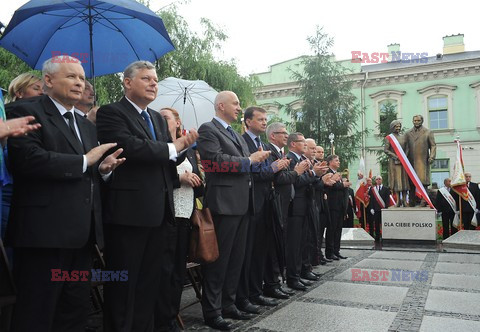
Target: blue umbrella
{"points": [[105, 35]]}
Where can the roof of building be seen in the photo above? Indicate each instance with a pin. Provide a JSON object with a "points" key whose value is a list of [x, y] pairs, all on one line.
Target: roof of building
{"points": [[421, 61]]}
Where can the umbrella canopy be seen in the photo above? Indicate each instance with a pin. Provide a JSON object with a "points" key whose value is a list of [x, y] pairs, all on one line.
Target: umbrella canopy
{"points": [[193, 100], [104, 35]]}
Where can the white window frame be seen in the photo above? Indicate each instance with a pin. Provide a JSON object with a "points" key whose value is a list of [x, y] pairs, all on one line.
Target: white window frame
{"points": [[438, 90]]}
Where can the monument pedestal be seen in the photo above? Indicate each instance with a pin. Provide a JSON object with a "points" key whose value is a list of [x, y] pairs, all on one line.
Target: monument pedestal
{"points": [[409, 224]]}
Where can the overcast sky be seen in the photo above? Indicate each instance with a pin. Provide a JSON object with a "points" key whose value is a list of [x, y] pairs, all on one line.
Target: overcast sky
{"points": [[265, 32]]}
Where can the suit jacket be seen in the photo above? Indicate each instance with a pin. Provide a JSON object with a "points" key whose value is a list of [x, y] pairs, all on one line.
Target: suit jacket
{"points": [[227, 169], [283, 181], [141, 190], [299, 205], [262, 175], [336, 196], [420, 146], [441, 203], [53, 199], [384, 194]]}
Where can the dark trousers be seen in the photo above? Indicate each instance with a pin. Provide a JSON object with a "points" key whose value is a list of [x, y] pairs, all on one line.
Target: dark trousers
{"points": [[263, 241], [348, 221], [293, 248], [334, 233], [447, 221], [310, 255], [46, 305], [467, 220], [220, 278], [243, 290], [172, 276], [145, 252], [323, 222], [377, 220]]}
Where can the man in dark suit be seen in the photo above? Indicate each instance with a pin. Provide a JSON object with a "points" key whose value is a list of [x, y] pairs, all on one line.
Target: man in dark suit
{"points": [[227, 163], [259, 232], [379, 198], [350, 204], [138, 207], [336, 205], [467, 209], [296, 220], [283, 182], [55, 217], [446, 204]]}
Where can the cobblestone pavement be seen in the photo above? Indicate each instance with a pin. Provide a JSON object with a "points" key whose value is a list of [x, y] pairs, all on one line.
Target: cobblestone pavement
{"points": [[374, 290]]}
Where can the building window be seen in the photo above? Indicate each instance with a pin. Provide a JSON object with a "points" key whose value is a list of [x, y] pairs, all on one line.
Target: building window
{"points": [[387, 109], [438, 112], [440, 171]]}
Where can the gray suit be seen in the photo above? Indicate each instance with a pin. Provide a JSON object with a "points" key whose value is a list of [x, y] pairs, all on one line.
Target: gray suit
{"points": [[226, 165]]}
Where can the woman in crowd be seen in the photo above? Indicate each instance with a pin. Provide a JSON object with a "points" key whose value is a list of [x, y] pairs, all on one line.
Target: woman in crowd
{"points": [[25, 85], [188, 187]]}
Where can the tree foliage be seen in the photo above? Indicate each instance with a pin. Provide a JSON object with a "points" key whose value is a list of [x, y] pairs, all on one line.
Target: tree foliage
{"points": [[388, 113], [329, 105], [192, 59]]}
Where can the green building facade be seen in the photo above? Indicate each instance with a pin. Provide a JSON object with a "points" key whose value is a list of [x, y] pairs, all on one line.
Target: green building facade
{"points": [[443, 88]]}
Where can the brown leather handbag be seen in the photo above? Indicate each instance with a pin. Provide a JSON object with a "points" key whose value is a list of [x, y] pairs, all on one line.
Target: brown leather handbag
{"points": [[203, 241]]}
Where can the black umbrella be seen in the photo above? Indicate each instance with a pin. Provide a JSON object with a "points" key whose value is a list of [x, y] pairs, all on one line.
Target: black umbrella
{"points": [[274, 215]]}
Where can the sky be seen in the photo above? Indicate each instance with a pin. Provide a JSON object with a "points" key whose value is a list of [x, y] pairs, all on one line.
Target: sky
{"points": [[265, 32]]}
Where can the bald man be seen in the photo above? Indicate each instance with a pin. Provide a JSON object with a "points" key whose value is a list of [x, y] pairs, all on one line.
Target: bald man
{"points": [[227, 196]]}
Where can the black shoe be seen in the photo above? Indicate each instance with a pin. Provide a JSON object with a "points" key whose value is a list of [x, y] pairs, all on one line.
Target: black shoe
{"points": [[341, 257], [328, 260], [309, 276], [236, 314], [323, 261], [262, 300], [286, 291], [296, 285], [218, 323], [276, 294], [305, 282], [248, 307], [333, 257], [316, 274]]}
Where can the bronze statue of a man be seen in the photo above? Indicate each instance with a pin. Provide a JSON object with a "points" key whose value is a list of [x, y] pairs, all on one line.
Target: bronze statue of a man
{"points": [[421, 151], [397, 177]]}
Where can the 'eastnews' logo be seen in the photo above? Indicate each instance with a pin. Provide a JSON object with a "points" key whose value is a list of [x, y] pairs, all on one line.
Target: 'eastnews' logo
{"points": [[83, 275]]}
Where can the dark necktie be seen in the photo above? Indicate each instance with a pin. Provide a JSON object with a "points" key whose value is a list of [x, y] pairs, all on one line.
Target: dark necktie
{"points": [[259, 142], [71, 125], [232, 133], [146, 116]]}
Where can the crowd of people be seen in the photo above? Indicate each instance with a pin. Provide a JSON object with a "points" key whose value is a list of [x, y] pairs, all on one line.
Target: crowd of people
{"points": [[133, 195], [125, 177]]}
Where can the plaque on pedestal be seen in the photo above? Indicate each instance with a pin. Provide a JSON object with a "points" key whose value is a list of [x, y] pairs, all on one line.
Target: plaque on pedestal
{"points": [[414, 224]]}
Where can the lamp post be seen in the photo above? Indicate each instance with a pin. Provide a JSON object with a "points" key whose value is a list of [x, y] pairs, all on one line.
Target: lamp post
{"points": [[331, 137]]}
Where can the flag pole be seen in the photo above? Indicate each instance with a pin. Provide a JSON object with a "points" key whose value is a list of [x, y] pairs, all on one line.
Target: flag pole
{"points": [[364, 217], [460, 217]]}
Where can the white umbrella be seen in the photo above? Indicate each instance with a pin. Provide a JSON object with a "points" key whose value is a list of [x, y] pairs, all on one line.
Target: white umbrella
{"points": [[193, 100]]}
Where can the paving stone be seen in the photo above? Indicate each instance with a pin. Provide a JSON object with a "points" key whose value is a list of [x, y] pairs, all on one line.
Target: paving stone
{"points": [[357, 292], [405, 255], [457, 302], [314, 317], [389, 264], [349, 275], [459, 258], [456, 281], [463, 240], [435, 324], [322, 269], [458, 268]]}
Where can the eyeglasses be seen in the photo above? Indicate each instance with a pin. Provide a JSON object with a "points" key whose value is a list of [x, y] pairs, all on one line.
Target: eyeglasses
{"points": [[281, 133]]}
